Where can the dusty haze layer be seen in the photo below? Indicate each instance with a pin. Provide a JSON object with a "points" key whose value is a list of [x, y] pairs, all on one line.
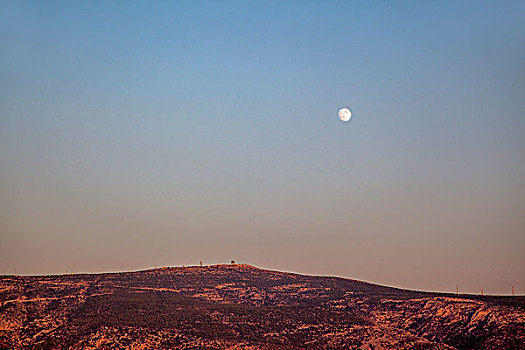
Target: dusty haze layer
{"points": [[135, 135]]}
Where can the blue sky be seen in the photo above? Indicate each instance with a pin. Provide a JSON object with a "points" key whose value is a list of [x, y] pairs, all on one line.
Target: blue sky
{"points": [[165, 133]]}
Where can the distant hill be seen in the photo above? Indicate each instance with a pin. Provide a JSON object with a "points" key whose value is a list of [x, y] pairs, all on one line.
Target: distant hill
{"points": [[242, 307]]}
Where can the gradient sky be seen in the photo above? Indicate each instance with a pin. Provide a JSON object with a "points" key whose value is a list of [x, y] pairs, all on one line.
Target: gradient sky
{"points": [[135, 134]]}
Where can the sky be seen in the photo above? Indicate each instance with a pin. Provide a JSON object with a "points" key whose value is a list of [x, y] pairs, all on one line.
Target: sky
{"points": [[137, 134]]}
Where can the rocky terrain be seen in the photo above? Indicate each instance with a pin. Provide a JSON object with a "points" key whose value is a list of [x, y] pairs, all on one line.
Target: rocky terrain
{"points": [[242, 307]]}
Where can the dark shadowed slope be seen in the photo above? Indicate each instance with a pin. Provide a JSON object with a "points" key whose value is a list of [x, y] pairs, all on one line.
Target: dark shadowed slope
{"points": [[240, 306]]}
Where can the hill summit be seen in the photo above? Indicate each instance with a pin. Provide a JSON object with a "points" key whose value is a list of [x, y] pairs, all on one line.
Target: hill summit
{"points": [[243, 307]]}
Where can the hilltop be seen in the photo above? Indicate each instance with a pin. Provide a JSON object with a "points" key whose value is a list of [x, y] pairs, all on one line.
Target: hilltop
{"points": [[241, 306]]}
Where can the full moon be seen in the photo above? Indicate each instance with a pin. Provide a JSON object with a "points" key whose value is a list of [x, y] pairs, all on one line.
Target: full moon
{"points": [[345, 114]]}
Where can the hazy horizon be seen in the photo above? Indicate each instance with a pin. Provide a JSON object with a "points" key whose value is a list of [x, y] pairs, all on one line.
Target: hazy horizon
{"points": [[135, 135]]}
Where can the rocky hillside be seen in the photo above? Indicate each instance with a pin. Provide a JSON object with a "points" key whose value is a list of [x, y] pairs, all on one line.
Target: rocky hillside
{"points": [[243, 307]]}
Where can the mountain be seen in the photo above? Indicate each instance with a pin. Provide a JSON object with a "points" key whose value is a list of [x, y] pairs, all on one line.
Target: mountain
{"points": [[242, 307]]}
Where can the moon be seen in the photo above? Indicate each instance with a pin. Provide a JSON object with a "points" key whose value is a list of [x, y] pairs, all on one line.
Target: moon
{"points": [[345, 114]]}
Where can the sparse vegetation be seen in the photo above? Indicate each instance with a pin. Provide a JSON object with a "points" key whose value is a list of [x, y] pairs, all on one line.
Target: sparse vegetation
{"points": [[215, 307]]}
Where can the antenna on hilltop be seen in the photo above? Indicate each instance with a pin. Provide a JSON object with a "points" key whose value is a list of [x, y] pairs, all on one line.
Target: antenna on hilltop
{"points": [[482, 292], [201, 263], [457, 289], [512, 290]]}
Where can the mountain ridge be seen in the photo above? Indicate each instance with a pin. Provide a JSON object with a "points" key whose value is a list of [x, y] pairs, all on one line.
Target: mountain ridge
{"points": [[240, 305]]}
